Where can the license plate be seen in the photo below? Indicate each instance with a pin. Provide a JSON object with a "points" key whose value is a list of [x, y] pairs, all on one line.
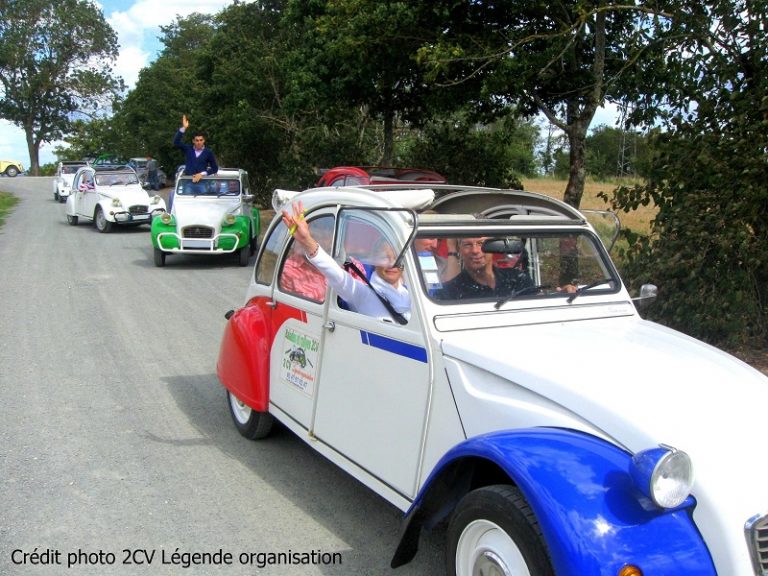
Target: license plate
{"points": [[141, 217], [197, 244]]}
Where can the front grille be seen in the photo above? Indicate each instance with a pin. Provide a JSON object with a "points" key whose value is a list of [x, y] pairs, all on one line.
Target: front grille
{"points": [[757, 537], [197, 232], [138, 209]]}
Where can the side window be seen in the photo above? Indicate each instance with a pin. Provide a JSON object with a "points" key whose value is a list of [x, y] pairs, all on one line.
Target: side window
{"points": [[367, 239], [273, 244], [297, 275]]}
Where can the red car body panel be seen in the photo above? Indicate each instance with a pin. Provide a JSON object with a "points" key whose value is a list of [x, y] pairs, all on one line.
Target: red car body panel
{"points": [[243, 363], [362, 175]]}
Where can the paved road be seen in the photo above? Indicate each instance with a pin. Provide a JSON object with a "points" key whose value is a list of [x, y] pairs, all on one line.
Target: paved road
{"points": [[114, 431]]}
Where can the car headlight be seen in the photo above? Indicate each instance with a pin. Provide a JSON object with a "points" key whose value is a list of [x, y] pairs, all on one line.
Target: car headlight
{"points": [[156, 199], [663, 474], [229, 219], [165, 218], [116, 202]]}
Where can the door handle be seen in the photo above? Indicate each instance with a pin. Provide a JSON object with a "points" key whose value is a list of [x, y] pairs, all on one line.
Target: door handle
{"points": [[330, 325]]}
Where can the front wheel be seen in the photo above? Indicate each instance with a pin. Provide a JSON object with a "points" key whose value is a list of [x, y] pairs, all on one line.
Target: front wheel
{"points": [[244, 254], [159, 258], [56, 196], [11, 171], [493, 531], [251, 424], [71, 220], [102, 224]]}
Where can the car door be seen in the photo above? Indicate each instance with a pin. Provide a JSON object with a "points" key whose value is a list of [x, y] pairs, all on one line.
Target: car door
{"points": [[299, 299], [374, 381]]}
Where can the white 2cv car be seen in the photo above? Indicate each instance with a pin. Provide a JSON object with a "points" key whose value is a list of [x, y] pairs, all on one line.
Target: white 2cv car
{"points": [[522, 400], [111, 195]]}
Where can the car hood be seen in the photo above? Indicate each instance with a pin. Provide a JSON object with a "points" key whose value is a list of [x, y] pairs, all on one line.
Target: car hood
{"points": [[128, 195], [202, 211], [641, 384]]}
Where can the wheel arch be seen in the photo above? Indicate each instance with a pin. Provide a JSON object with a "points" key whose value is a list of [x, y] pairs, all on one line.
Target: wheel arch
{"points": [[592, 517], [243, 361]]}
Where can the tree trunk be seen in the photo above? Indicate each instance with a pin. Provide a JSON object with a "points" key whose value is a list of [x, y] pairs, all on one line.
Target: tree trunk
{"points": [[33, 147], [389, 130], [577, 137]]}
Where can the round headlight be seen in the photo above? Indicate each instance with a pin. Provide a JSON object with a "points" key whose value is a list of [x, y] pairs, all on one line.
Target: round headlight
{"points": [[663, 474], [155, 199], [229, 219], [165, 218], [116, 202]]}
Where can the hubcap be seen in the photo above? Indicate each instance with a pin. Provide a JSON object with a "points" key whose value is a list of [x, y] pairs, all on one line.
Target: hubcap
{"points": [[485, 549], [241, 412]]}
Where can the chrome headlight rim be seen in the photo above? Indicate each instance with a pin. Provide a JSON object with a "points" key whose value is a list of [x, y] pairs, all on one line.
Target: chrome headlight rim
{"points": [[229, 220], [116, 203], [664, 474], [165, 218]]}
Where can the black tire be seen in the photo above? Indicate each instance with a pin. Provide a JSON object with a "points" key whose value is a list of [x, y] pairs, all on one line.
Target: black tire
{"points": [[12, 171], [56, 196], [493, 530], [159, 256], [244, 255], [251, 424], [102, 224], [71, 220]]}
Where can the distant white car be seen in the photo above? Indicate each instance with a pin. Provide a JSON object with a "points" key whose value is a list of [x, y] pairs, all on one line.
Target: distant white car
{"points": [[65, 174], [140, 165], [111, 195]]}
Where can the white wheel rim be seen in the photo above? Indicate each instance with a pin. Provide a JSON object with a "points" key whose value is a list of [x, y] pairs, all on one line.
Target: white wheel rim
{"points": [[485, 549], [241, 412]]}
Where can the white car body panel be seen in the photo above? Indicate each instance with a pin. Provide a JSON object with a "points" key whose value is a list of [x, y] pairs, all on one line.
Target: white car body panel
{"points": [[591, 364]]}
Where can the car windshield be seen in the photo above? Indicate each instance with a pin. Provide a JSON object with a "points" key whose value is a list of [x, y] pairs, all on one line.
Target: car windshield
{"points": [[118, 179], [501, 268], [209, 187], [70, 168]]}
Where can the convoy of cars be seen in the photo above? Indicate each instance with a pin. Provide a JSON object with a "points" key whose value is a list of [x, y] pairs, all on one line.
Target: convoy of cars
{"points": [[109, 196], [550, 426], [11, 168], [213, 216]]}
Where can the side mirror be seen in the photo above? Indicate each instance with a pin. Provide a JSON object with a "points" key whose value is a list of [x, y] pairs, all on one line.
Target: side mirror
{"points": [[248, 198], [647, 295]]}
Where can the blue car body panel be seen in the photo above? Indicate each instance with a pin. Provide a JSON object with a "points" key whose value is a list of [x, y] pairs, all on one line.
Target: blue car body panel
{"points": [[592, 516]]}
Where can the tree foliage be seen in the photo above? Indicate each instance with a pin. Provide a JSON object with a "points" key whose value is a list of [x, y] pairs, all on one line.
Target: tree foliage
{"points": [[707, 250], [55, 61]]}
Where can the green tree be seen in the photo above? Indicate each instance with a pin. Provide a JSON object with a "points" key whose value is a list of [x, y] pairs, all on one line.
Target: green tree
{"points": [[55, 58], [563, 60], [707, 249]]}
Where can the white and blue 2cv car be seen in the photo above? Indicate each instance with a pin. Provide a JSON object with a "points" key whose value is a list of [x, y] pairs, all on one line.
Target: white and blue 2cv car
{"points": [[531, 410]]}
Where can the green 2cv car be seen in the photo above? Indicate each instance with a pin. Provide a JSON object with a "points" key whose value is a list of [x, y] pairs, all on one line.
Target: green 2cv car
{"points": [[213, 216]]}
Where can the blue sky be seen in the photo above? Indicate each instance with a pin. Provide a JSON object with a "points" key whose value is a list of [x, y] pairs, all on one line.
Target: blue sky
{"points": [[137, 24]]}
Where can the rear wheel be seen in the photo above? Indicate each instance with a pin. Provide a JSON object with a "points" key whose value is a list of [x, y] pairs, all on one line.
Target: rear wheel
{"points": [[11, 171], [251, 424], [159, 258], [102, 224], [493, 531]]}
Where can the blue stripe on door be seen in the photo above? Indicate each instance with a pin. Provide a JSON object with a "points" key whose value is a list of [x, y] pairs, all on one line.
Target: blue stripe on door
{"points": [[394, 346]]}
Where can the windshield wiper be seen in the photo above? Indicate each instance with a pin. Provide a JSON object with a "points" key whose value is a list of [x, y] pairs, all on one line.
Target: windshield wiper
{"points": [[516, 293], [589, 286]]}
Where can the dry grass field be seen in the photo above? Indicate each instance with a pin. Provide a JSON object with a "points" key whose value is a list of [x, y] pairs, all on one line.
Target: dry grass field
{"points": [[639, 220]]}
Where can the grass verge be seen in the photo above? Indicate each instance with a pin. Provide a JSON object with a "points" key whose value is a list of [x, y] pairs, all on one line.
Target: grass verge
{"points": [[7, 202]]}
